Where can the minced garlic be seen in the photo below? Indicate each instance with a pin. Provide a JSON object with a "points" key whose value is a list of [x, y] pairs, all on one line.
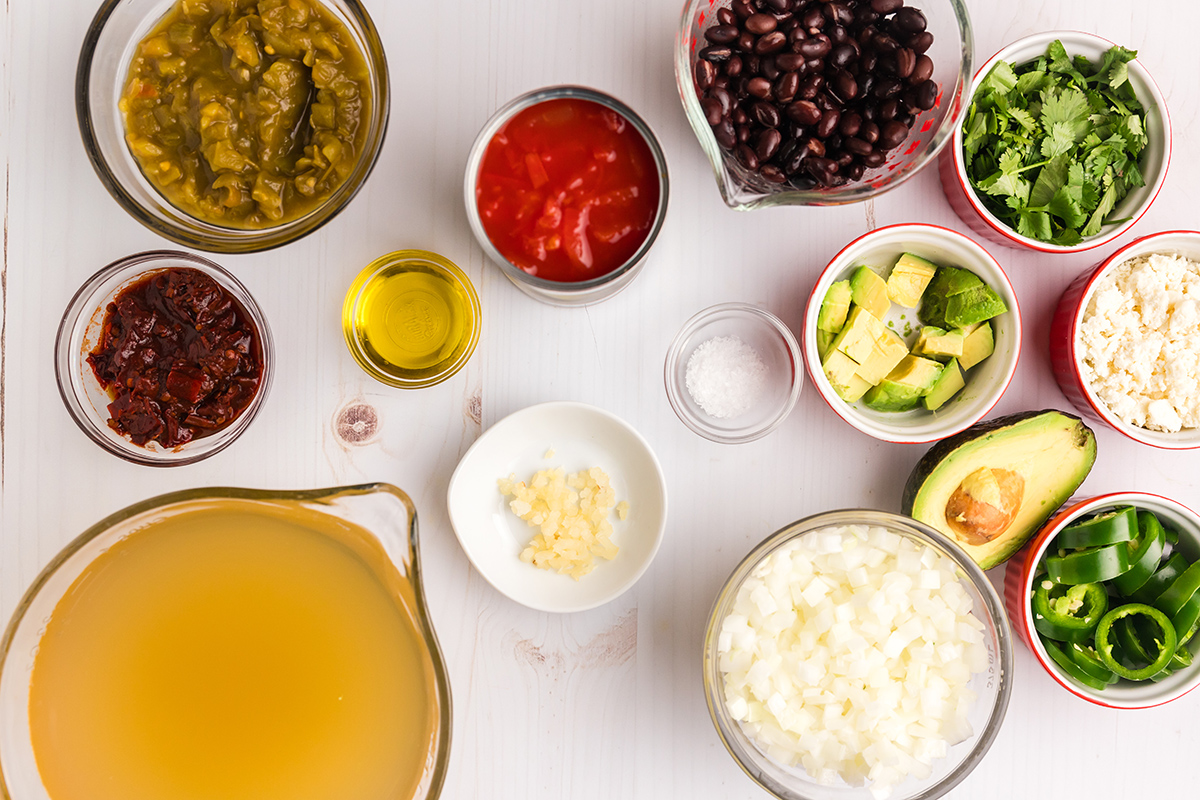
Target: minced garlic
{"points": [[571, 514]]}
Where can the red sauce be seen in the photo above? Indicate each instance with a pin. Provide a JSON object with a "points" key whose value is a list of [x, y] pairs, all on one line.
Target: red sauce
{"points": [[180, 357], [568, 190]]}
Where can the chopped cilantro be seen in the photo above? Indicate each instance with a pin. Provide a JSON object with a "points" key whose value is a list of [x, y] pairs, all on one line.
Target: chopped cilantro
{"points": [[1052, 146]]}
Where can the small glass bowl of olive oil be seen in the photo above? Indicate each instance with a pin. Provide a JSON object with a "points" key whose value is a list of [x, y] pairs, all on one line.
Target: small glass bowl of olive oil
{"points": [[411, 319]]}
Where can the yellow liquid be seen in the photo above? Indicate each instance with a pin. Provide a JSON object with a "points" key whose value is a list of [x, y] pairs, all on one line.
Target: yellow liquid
{"points": [[232, 653], [413, 321]]}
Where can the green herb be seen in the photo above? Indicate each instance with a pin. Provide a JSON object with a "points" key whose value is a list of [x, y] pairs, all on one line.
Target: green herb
{"points": [[1052, 146]]}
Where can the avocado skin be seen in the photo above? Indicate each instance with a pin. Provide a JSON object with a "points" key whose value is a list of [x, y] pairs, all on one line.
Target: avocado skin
{"points": [[946, 447]]}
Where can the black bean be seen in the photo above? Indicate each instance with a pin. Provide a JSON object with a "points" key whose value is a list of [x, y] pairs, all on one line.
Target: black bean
{"points": [[906, 60], [839, 13], [844, 160], [865, 15], [888, 110], [920, 42], [815, 146], [747, 156], [716, 53], [865, 84], [804, 111], [772, 42], [753, 64], [740, 117], [813, 18], [838, 35], [887, 87], [722, 34], [743, 133], [706, 73], [869, 132], [875, 159], [892, 134], [816, 47], [723, 97], [927, 95], [759, 87], [786, 87], [797, 34], [766, 114], [828, 124], [906, 118], [842, 55], [909, 20], [886, 6], [742, 8], [789, 62], [777, 6], [733, 67], [770, 68], [712, 111], [726, 16], [867, 61], [857, 146], [745, 42], [759, 24], [726, 137], [922, 70], [721, 81], [850, 123], [844, 86], [768, 144], [772, 173]]}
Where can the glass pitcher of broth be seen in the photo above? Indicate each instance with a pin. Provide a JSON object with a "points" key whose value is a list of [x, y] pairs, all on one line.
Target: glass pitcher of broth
{"points": [[232, 644]]}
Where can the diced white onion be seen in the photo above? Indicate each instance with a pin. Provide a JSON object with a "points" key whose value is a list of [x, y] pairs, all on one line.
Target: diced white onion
{"points": [[848, 654]]}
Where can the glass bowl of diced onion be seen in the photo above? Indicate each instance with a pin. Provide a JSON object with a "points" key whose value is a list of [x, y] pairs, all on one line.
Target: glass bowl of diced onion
{"points": [[857, 654]]}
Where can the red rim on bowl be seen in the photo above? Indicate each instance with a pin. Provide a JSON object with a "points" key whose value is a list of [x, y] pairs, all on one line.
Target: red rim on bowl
{"points": [[849, 412], [953, 174], [1064, 330], [1018, 581]]}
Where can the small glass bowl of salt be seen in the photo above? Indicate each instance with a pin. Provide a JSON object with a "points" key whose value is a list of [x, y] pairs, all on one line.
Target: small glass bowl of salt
{"points": [[733, 373]]}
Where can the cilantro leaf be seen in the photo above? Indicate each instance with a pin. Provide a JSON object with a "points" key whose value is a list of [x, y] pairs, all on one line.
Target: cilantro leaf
{"points": [[1107, 201], [1060, 63], [1051, 178], [1066, 208]]}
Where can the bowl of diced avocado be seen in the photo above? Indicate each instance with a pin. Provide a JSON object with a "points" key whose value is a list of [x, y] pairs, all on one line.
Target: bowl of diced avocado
{"points": [[912, 333]]}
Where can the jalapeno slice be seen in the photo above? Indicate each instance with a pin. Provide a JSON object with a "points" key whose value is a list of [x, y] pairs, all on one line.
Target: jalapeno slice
{"points": [[1111, 527], [1093, 565], [1068, 613], [1073, 670], [1159, 581], [1181, 590], [1144, 554], [1088, 660], [1165, 641], [1187, 621]]}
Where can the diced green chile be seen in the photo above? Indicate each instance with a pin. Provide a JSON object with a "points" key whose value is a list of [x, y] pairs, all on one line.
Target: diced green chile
{"points": [[1144, 554], [1068, 613], [1165, 639], [1093, 565], [1110, 527]]}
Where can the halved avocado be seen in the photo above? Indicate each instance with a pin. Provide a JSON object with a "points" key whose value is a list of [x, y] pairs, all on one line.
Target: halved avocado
{"points": [[992, 486]]}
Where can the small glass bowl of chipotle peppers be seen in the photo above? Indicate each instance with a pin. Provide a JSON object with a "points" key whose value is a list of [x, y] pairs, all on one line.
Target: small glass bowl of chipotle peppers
{"points": [[812, 102], [232, 125], [1107, 596], [163, 358]]}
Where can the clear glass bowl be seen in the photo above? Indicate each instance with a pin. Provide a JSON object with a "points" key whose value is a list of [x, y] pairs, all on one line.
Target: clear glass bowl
{"points": [[422, 310], [559, 293], [775, 345], [992, 687], [108, 48], [381, 510], [952, 53], [79, 333]]}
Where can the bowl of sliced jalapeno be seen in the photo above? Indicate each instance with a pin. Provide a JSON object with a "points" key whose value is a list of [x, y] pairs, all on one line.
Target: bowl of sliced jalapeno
{"points": [[1107, 597]]}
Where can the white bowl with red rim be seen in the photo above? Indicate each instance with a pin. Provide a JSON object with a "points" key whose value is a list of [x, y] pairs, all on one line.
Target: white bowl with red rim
{"points": [[986, 381], [1066, 355], [1022, 569], [1153, 161]]}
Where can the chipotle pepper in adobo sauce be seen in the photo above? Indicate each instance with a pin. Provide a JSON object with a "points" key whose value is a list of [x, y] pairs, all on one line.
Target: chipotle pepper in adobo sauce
{"points": [[180, 357]]}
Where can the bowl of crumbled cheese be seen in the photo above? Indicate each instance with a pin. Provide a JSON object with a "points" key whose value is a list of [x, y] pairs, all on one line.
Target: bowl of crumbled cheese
{"points": [[560, 506], [733, 373], [857, 655], [1125, 341]]}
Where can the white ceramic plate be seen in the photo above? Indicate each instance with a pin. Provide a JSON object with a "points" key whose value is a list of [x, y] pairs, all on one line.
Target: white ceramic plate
{"points": [[581, 437]]}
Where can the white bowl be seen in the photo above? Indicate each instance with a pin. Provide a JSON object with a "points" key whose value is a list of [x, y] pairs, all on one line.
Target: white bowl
{"points": [[1154, 159], [986, 381], [1066, 354], [1018, 584], [581, 437]]}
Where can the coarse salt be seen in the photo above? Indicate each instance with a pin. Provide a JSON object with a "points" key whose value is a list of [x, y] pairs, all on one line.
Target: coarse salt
{"points": [[725, 377]]}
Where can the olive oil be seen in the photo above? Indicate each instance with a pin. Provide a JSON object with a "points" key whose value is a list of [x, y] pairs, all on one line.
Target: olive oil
{"points": [[411, 319], [226, 653]]}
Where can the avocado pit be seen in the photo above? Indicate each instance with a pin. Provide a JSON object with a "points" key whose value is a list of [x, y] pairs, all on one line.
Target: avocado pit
{"points": [[985, 504]]}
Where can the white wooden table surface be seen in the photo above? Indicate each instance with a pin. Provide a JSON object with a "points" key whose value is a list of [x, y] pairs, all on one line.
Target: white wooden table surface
{"points": [[608, 703]]}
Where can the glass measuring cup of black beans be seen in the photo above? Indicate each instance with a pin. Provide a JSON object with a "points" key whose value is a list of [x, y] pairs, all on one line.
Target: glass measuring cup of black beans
{"points": [[813, 93]]}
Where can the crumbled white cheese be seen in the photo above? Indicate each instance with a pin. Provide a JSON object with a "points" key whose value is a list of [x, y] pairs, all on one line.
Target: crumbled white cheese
{"points": [[1140, 342]]}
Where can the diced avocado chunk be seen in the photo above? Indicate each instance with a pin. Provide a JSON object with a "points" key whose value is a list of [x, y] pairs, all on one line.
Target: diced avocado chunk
{"points": [[973, 305], [869, 290], [938, 343], [933, 303], [978, 346], [858, 335], [919, 374], [888, 351], [824, 342], [947, 385], [908, 280], [961, 280], [840, 369], [834, 308], [892, 396]]}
